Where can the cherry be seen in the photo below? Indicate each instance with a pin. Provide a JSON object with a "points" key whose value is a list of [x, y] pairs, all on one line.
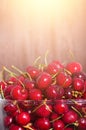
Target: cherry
{"points": [[68, 93], [74, 67], [7, 90], [19, 93], [29, 84], [70, 117], [23, 118], [80, 75], [35, 94], [10, 108], [3, 85], [43, 80], [54, 67], [58, 125], [61, 108], [82, 122], [78, 84], [8, 120], [42, 124], [15, 127], [54, 92], [64, 79], [53, 116], [43, 110], [33, 71]]}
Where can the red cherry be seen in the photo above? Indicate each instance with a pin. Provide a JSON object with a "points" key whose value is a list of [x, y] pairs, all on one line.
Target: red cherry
{"points": [[8, 120], [78, 84], [35, 94], [42, 124], [33, 71], [64, 80], [61, 108], [74, 67], [54, 67], [43, 80], [82, 123], [29, 84], [23, 118], [15, 127], [7, 90], [51, 92], [58, 125], [19, 93], [53, 116], [10, 108], [3, 85], [70, 117], [54, 92], [44, 110]]}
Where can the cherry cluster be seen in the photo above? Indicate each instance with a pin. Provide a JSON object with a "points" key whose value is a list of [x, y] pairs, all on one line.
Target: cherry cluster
{"points": [[45, 97]]}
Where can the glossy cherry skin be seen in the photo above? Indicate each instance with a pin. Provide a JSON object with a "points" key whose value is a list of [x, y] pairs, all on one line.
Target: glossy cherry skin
{"points": [[54, 67], [10, 108], [80, 75], [44, 110], [19, 93], [42, 124], [78, 84], [33, 71], [61, 108], [54, 92], [23, 118], [15, 127], [82, 122], [35, 94], [29, 84], [58, 125], [70, 117], [43, 80], [64, 80], [74, 67], [8, 121], [51, 92]]}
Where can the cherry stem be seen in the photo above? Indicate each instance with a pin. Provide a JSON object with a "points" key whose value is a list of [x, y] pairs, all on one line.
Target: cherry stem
{"points": [[37, 59], [75, 124], [22, 73], [14, 75], [44, 103], [71, 54], [57, 118], [28, 126], [67, 71], [76, 111], [45, 59], [2, 93], [17, 69]]}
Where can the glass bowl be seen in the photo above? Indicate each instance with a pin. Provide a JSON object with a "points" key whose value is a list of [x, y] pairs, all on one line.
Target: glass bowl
{"points": [[70, 114]]}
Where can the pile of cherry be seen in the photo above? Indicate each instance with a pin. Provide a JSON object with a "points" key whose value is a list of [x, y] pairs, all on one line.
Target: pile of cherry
{"points": [[45, 97]]}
